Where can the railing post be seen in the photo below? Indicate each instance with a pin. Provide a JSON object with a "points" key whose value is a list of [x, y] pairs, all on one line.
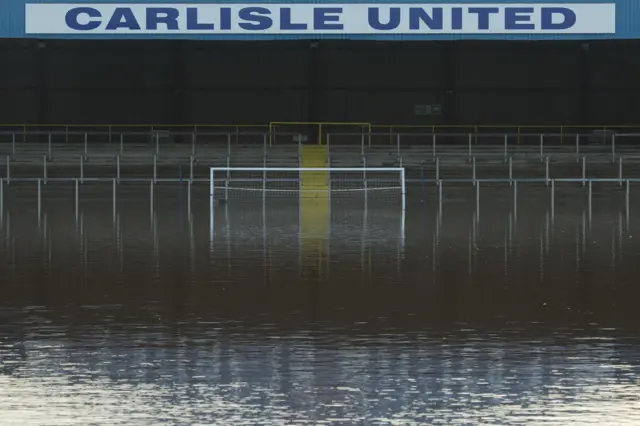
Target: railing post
{"points": [[398, 145], [510, 171], [193, 144], [620, 170], [81, 169], [541, 147], [553, 198], [13, 144], [155, 168], [8, 170], [49, 153], [157, 144], [151, 203], [77, 196], [584, 170], [114, 199], [433, 140], [438, 169], [1, 200], [577, 147], [121, 143], [191, 169], [470, 142], [546, 170], [473, 160], [86, 143], [39, 200], [118, 167], [613, 148], [44, 171], [506, 139]]}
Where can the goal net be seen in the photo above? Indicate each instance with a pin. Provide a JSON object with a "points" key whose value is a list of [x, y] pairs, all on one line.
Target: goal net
{"points": [[237, 183]]}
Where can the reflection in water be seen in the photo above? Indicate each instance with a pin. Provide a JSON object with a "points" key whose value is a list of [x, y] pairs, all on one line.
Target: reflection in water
{"points": [[523, 314]]}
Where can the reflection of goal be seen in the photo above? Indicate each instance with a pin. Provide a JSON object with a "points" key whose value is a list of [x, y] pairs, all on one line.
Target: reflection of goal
{"points": [[319, 132], [229, 183]]}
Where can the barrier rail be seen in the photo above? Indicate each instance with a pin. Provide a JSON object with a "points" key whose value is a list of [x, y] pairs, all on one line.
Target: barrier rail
{"points": [[521, 129], [397, 147]]}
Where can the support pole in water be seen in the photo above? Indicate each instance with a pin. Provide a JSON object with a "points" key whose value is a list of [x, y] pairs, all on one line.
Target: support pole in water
{"points": [[478, 202], [620, 170], [77, 194], [433, 144], [191, 168], [44, 169], [584, 171], [546, 170], [627, 202], [506, 140], [553, 198], [39, 200], [114, 200], [422, 185], [440, 199], [189, 200], [590, 197], [49, 150], [511, 171], [86, 146], [474, 170], [515, 200]]}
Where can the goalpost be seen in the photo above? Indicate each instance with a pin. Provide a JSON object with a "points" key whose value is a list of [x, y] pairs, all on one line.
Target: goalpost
{"points": [[377, 194], [382, 183]]}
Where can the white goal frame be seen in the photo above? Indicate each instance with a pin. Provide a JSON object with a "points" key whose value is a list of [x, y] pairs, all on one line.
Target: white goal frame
{"points": [[362, 170]]}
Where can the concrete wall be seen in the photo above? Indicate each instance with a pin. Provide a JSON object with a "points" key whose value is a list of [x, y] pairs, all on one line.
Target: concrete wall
{"points": [[182, 82]]}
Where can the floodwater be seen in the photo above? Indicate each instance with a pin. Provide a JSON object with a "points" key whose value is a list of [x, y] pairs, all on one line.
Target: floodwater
{"points": [[493, 312]]}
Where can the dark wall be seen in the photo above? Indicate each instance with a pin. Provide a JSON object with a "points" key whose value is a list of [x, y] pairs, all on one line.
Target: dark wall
{"points": [[179, 82]]}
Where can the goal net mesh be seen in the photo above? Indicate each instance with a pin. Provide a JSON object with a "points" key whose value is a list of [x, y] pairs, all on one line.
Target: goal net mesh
{"points": [[238, 183]]}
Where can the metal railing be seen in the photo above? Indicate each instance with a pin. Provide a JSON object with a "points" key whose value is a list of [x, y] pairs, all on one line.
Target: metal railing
{"points": [[509, 142]]}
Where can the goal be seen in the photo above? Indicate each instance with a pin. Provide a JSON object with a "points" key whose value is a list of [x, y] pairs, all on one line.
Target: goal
{"points": [[386, 184], [319, 133]]}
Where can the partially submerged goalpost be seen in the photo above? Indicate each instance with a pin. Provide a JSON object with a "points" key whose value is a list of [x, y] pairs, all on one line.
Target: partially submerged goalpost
{"points": [[314, 191], [228, 183]]}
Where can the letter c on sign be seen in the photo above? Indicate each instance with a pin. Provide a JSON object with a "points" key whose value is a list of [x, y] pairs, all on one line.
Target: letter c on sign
{"points": [[71, 18]]}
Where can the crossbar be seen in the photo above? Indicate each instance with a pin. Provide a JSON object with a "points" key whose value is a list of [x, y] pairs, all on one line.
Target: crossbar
{"points": [[308, 169]]}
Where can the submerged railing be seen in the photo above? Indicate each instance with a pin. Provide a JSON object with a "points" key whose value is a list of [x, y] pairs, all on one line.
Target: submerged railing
{"points": [[36, 143]]}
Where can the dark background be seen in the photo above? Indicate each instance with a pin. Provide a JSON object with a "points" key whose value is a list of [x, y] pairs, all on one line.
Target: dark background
{"points": [[204, 82]]}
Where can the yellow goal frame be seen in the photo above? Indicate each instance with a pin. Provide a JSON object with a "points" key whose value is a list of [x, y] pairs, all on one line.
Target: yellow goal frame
{"points": [[321, 125]]}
